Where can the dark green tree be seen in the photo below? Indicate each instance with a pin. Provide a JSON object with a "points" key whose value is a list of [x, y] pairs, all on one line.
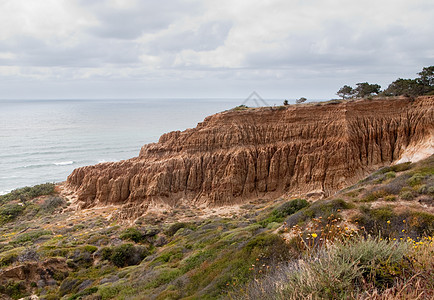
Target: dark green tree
{"points": [[427, 76], [426, 80], [346, 92], [301, 100], [404, 87], [365, 89]]}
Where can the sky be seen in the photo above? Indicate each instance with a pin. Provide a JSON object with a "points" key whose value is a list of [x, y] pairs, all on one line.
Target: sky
{"points": [[63, 49]]}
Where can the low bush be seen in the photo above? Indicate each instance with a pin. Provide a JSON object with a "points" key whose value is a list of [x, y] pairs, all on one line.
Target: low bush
{"points": [[132, 234], [170, 255], [416, 179], [385, 222], [407, 195], [81, 257], [396, 185], [125, 254], [27, 193], [8, 258], [390, 198], [52, 203], [176, 226], [339, 271], [30, 236], [10, 212], [401, 167], [15, 290], [374, 195], [322, 208], [284, 210]]}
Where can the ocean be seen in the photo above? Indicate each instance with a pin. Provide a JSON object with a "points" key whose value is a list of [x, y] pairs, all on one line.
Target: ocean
{"points": [[44, 140]]}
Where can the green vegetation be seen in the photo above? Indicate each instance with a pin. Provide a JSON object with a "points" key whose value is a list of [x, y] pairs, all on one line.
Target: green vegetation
{"points": [[373, 237], [286, 209], [423, 85], [301, 100], [132, 234], [338, 271], [125, 254], [241, 107], [28, 193], [10, 212]]}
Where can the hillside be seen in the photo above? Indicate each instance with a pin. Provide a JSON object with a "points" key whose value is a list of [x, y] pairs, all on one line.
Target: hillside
{"points": [[244, 154], [370, 240]]}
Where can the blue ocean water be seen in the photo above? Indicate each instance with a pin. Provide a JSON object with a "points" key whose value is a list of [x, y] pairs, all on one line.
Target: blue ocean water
{"points": [[44, 140]]}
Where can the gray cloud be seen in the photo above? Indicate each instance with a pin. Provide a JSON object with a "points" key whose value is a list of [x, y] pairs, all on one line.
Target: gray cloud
{"points": [[141, 17], [207, 37], [191, 47]]}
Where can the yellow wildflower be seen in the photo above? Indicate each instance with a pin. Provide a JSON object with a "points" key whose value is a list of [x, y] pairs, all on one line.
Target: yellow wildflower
{"points": [[314, 235]]}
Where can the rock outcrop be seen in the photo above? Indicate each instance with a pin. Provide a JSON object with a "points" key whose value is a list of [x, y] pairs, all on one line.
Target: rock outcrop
{"points": [[243, 154]]}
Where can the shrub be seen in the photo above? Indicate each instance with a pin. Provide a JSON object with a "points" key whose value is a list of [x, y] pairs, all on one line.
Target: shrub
{"points": [[8, 258], [15, 290], [407, 195], [127, 255], [322, 208], [336, 272], [27, 193], [10, 212], [270, 248], [171, 255], [374, 195], [390, 198], [30, 236], [396, 185], [286, 209], [384, 221], [52, 203], [241, 107], [29, 254], [197, 259], [390, 175], [415, 179], [81, 258], [132, 234], [401, 167], [176, 226]]}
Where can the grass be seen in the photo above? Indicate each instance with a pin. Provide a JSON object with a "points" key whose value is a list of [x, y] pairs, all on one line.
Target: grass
{"points": [[342, 270]]}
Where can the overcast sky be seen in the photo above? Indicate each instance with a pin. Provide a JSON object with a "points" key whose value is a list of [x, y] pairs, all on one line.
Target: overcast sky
{"points": [[203, 48]]}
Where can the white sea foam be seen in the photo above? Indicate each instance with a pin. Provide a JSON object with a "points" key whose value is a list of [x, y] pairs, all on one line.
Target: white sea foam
{"points": [[64, 163], [5, 192]]}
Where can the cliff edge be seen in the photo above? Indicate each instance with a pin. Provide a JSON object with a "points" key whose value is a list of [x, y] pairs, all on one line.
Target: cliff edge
{"points": [[244, 154]]}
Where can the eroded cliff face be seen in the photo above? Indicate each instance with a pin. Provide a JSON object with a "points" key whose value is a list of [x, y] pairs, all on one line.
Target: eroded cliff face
{"points": [[238, 155]]}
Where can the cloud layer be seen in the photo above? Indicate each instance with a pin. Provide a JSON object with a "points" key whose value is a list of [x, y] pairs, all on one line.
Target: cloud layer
{"points": [[203, 48]]}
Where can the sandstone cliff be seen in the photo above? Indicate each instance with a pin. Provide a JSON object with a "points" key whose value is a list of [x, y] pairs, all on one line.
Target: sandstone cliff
{"points": [[237, 155]]}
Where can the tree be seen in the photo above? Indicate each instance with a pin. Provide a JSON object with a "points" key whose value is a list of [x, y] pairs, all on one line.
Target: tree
{"points": [[404, 87], [285, 102], [365, 89], [346, 92], [427, 76], [301, 100], [426, 80]]}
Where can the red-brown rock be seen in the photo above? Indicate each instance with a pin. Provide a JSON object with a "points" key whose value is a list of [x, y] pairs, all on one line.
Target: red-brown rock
{"points": [[238, 155]]}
